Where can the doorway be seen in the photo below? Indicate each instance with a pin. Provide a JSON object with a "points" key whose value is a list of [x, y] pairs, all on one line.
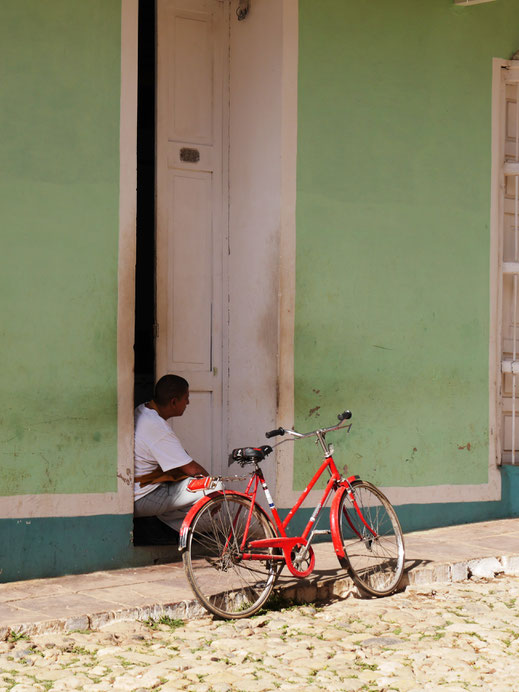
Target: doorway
{"points": [[181, 285], [144, 341]]}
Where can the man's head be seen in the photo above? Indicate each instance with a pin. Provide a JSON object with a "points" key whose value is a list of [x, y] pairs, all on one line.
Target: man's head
{"points": [[171, 395]]}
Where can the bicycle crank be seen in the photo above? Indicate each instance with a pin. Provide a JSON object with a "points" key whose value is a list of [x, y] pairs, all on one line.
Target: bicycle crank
{"points": [[301, 560]]}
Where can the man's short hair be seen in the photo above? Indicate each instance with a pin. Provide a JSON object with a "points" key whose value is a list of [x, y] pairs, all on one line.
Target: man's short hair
{"points": [[169, 387]]}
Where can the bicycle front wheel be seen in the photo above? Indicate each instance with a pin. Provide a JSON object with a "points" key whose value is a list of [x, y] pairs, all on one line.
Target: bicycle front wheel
{"points": [[372, 539], [226, 584]]}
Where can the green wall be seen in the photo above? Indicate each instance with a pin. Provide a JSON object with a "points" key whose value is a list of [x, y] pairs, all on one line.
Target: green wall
{"points": [[59, 192], [393, 207]]}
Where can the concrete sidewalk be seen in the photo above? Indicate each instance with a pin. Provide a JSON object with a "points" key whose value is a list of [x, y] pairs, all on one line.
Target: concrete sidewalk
{"points": [[86, 601]]}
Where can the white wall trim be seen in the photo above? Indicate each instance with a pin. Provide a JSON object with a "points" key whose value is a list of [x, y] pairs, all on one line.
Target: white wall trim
{"points": [[82, 505], [255, 218], [421, 495], [430, 494], [45, 505], [287, 270], [496, 253], [127, 255]]}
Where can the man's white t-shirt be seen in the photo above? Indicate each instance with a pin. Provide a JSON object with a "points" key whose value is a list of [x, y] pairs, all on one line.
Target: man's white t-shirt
{"points": [[156, 446]]}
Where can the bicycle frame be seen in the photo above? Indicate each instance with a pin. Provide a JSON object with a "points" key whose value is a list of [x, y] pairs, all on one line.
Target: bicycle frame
{"points": [[282, 525], [288, 543]]}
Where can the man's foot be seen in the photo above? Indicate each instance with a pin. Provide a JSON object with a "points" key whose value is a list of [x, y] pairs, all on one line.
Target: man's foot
{"points": [[152, 531]]}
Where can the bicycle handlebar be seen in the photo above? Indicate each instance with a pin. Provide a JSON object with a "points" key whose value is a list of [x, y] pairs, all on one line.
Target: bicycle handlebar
{"points": [[345, 415], [273, 433]]}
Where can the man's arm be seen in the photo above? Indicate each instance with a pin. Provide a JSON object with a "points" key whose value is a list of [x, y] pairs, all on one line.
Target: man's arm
{"points": [[193, 469], [176, 474]]}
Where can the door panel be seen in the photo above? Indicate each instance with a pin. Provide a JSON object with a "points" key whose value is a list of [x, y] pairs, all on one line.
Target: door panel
{"points": [[190, 214], [190, 83], [190, 260], [198, 445]]}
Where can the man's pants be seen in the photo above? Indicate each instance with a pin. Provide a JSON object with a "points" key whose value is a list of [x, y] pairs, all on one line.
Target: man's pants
{"points": [[169, 502]]}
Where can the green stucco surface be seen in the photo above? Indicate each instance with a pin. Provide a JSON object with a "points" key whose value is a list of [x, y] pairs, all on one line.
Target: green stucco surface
{"points": [[59, 191], [393, 207]]}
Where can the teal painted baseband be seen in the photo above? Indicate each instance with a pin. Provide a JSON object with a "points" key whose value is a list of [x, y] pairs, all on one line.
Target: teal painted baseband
{"points": [[53, 546]]}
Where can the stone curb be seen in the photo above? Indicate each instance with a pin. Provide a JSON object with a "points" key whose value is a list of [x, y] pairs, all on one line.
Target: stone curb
{"points": [[445, 573], [306, 591]]}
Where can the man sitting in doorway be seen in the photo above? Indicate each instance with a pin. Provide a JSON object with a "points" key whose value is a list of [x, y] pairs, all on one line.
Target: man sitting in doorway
{"points": [[163, 469]]}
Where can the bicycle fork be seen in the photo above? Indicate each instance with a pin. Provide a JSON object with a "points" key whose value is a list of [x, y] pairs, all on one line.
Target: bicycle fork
{"points": [[368, 540]]}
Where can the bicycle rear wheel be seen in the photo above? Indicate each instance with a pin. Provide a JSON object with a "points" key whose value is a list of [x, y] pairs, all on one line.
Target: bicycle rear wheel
{"points": [[224, 583], [372, 539]]}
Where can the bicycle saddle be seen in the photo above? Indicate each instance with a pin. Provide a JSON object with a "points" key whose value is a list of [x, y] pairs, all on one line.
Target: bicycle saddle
{"points": [[248, 455]]}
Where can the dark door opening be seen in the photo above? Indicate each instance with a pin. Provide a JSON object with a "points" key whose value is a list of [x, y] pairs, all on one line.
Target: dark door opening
{"points": [[144, 344]]}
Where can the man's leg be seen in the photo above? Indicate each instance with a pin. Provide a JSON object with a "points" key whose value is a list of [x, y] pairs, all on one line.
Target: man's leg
{"points": [[169, 502], [181, 500], [147, 528]]}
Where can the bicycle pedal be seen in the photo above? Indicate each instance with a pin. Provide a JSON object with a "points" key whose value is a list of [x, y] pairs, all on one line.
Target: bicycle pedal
{"points": [[322, 532]]}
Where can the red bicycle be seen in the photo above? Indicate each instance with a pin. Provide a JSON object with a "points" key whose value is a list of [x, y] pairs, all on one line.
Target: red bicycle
{"points": [[233, 551]]}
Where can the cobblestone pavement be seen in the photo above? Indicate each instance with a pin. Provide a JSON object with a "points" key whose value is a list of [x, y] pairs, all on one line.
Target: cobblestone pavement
{"points": [[462, 636]]}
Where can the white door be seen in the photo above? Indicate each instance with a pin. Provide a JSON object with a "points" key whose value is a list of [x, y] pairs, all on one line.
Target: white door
{"points": [[191, 118]]}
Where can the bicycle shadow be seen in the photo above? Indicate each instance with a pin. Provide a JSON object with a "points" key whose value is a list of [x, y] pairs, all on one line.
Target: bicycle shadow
{"points": [[328, 583]]}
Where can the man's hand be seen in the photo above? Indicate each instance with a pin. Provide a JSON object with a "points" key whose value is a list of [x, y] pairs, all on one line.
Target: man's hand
{"points": [[160, 476], [193, 469]]}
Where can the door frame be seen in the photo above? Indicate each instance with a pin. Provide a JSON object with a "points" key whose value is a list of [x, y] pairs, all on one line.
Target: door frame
{"points": [[127, 253]]}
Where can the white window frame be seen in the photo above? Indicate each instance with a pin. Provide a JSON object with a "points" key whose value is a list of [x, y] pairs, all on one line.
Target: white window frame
{"points": [[504, 72]]}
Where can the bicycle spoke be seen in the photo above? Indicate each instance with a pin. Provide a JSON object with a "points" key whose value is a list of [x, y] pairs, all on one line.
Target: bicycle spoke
{"points": [[225, 583], [374, 553]]}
